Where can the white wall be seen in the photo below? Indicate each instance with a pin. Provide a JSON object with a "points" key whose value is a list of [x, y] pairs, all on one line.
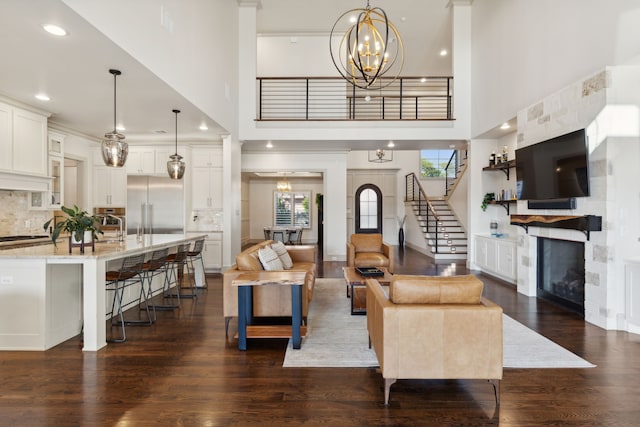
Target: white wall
{"points": [[198, 58], [524, 50], [261, 195], [276, 50], [276, 55], [334, 167]]}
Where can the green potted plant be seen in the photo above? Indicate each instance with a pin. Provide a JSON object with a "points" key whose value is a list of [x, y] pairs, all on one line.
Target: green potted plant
{"points": [[76, 223], [486, 199]]}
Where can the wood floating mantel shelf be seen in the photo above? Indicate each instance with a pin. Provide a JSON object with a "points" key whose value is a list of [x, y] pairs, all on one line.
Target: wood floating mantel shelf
{"points": [[586, 223]]}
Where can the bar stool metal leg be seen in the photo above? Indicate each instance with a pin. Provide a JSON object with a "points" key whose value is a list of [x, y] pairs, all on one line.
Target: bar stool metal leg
{"points": [[195, 254], [129, 273]]}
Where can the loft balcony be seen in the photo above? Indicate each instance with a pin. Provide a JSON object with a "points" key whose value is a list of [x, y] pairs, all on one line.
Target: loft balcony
{"points": [[334, 99]]}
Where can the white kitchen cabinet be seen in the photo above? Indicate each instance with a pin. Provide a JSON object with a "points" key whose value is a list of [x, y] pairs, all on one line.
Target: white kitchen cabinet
{"points": [[207, 157], [206, 188], [23, 141], [496, 256], [6, 139], [212, 252], [109, 186], [141, 161], [53, 198]]}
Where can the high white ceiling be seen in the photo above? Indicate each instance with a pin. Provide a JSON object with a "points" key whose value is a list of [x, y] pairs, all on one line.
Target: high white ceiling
{"points": [[424, 26], [73, 70]]}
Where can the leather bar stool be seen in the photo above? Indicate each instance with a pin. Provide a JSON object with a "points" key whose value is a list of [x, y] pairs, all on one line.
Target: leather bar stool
{"points": [[156, 265], [195, 254], [175, 274], [116, 281]]}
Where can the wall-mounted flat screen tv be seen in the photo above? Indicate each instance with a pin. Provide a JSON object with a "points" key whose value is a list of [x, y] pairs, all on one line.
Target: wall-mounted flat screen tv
{"points": [[557, 168]]}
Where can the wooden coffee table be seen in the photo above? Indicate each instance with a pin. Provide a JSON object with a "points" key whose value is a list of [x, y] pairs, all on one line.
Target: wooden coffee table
{"points": [[357, 288]]}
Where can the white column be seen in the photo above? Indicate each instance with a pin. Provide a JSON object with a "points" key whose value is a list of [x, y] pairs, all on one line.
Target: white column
{"points": [[247, 57], [94, 299]]}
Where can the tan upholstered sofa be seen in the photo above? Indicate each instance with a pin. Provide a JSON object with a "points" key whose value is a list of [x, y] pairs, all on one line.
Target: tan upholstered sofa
{"points": [[269, 301], [368, 250], [431, 327]]}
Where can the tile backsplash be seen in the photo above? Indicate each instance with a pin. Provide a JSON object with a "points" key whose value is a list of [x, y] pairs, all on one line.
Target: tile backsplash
{"points": [[15, 216]]}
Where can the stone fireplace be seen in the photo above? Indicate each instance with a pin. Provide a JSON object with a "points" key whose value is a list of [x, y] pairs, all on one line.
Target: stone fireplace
{"points": [[561, 272], [607, 107]]}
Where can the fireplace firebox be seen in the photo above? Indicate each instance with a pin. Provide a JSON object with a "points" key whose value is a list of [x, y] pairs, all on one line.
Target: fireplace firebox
{"points": [[561, 273]]}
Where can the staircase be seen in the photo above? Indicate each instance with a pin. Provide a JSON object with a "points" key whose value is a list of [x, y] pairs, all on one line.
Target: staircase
{"points": [[444, 235]]}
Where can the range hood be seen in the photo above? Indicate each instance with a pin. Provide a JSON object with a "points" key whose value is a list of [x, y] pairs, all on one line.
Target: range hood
{"points": [[19, 182]]}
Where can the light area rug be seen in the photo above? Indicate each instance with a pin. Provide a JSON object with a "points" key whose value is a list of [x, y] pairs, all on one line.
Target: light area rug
{"points": [[335, 338]]}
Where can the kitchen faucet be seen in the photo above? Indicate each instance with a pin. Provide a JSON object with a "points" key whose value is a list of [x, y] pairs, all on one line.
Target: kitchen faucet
{"points": [[120, 234]]}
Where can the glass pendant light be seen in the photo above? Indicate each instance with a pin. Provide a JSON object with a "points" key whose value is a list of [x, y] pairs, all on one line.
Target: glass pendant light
{"points": [[175, 166], [114, 149]]}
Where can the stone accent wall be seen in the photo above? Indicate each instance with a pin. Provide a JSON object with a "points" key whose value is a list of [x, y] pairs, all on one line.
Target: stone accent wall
{"points": [[15, 216], [587, 104]]}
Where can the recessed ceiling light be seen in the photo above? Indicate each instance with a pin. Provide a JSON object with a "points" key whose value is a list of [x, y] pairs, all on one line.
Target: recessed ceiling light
{"points": [[54, 29], [42, 97], [120, 128], [423, 80], [505, 125], [391, 144], [269, 145], [443, 52], [204, 127]]}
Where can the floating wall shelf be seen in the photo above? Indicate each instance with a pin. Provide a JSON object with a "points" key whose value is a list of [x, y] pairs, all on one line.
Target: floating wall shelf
{"points": [[504, 167], [506, 204]]}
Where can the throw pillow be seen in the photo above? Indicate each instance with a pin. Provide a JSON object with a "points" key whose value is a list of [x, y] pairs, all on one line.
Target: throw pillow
{"points": [[283, 254], [269, 259]]}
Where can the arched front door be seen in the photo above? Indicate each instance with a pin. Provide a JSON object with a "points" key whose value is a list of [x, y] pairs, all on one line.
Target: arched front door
{"points": [[368, 209]]}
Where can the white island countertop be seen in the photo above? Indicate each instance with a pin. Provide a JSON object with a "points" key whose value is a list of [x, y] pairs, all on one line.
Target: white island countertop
{"points": [[104, 250], [48, 294]]}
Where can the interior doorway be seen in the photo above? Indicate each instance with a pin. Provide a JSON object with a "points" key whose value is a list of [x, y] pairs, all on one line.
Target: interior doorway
{"points": [[368, 209]]}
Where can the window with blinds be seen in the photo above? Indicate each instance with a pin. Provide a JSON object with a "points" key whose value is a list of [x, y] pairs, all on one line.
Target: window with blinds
{"points": [[292, 209]]}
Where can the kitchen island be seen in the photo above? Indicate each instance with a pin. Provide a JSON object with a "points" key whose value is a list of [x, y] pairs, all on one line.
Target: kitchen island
{"points": [[48, 295]]}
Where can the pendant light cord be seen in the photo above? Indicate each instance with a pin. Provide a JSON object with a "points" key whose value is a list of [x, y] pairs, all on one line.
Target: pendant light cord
{"points": [[115, 97], [176, 112], [115, 73]]}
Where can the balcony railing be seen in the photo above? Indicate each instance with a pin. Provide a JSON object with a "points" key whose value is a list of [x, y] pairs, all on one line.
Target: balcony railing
{"points": [[331, 98]]}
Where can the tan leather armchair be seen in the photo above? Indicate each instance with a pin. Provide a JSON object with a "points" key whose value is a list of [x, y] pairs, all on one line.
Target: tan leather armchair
{"points": [[431, 327], [368, 250]]}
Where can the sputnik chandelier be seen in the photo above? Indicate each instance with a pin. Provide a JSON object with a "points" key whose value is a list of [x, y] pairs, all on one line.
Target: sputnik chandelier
{"points": [[370, 47]]}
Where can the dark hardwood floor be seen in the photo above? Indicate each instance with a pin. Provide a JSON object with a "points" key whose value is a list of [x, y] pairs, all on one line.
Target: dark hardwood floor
{"points": [[182, 371]]}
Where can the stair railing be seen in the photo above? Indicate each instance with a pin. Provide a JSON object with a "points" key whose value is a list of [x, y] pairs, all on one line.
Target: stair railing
{"points": [[414, 193], [450, 171]]}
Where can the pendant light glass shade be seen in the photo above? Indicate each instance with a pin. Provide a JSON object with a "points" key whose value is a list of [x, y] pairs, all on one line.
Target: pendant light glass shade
{"points": [[114, 149], [175, 166]]}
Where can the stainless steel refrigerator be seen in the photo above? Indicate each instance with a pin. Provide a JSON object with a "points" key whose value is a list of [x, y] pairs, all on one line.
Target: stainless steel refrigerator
{"points": [[155, 205]]}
